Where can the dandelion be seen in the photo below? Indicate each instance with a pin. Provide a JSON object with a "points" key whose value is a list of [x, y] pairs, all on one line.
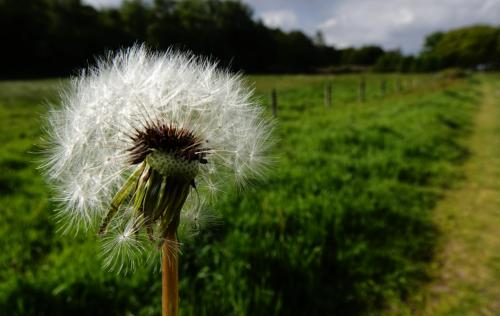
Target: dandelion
{"points": [[141, 142]]}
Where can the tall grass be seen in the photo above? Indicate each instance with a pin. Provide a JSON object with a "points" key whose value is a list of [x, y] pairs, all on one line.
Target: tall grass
{"points": [[343, 226]]}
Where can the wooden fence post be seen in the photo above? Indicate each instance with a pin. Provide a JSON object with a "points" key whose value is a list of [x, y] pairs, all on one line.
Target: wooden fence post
{"points": [[399, 85], [328, 94], [362, 90], [274, 103], [383, 87]]}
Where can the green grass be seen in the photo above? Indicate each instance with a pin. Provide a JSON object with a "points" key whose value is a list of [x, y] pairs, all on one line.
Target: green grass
{"points": [[343, 225], [307, 90], [468, 262]]}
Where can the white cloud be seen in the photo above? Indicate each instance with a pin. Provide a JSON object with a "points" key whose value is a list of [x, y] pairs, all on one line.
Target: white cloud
{"points": [[331, 22], [401, 23], [405, 16], [103, 3], [285, 19]]}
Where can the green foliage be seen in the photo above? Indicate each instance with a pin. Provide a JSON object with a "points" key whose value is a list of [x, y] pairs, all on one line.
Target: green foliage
{"points": [[431, 41], [395, 61], [342, 226], [389, 62], [60, 36], [366, 55], [465, 47]]}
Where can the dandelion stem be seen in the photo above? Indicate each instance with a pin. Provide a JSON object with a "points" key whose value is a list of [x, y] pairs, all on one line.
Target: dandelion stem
{"points": [[170, 277]]}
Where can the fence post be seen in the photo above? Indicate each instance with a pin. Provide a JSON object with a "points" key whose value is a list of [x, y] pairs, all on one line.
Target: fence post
{"points": [[274, 103], [362, 90], [383, 87], [399, 85], [328, 94]]}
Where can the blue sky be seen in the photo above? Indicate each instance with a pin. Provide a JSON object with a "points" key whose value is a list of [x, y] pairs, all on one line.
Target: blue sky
{"points": [[389, 23]]}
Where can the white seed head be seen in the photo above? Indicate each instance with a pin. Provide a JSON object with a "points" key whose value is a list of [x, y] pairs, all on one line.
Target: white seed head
{"points": [[91, 136]]}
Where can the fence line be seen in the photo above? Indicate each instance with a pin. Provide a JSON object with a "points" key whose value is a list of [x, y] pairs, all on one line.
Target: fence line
{"points": [[387, 86]]}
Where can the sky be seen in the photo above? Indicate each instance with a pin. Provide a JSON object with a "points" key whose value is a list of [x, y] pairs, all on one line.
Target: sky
{"points": [[392, 24]]}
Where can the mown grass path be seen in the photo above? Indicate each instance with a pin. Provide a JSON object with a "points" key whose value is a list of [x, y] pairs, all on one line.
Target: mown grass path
{"points": [[467, 277]]}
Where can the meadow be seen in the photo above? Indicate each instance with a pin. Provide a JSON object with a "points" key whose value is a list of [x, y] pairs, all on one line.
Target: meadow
{"points": [[343, 225]]}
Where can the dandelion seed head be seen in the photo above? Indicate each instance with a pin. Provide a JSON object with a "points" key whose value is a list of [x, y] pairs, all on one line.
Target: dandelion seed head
{"points": [[136, 134]]}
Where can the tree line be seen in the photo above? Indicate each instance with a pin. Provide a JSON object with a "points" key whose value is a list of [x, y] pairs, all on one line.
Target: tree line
{"points": [[57, 37]]}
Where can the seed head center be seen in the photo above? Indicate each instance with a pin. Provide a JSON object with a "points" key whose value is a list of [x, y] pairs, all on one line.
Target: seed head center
{"points": [[168, 149], [167, 164]]}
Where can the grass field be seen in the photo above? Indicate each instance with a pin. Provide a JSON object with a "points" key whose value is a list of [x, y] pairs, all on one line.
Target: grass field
{"points": [[344, 225], [467, 273]]}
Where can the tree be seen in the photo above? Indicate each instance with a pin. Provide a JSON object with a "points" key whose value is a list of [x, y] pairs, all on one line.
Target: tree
{"points": [[136, 17], [431, 42], [367, 55], [464, 47], [390, 61]]}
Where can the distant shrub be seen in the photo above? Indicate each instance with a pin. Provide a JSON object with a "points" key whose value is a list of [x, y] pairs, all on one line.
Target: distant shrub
{"points": [[453, 73]]}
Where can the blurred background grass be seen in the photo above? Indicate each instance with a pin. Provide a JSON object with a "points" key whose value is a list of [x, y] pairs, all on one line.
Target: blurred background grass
{"points": [[343, 225]]}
